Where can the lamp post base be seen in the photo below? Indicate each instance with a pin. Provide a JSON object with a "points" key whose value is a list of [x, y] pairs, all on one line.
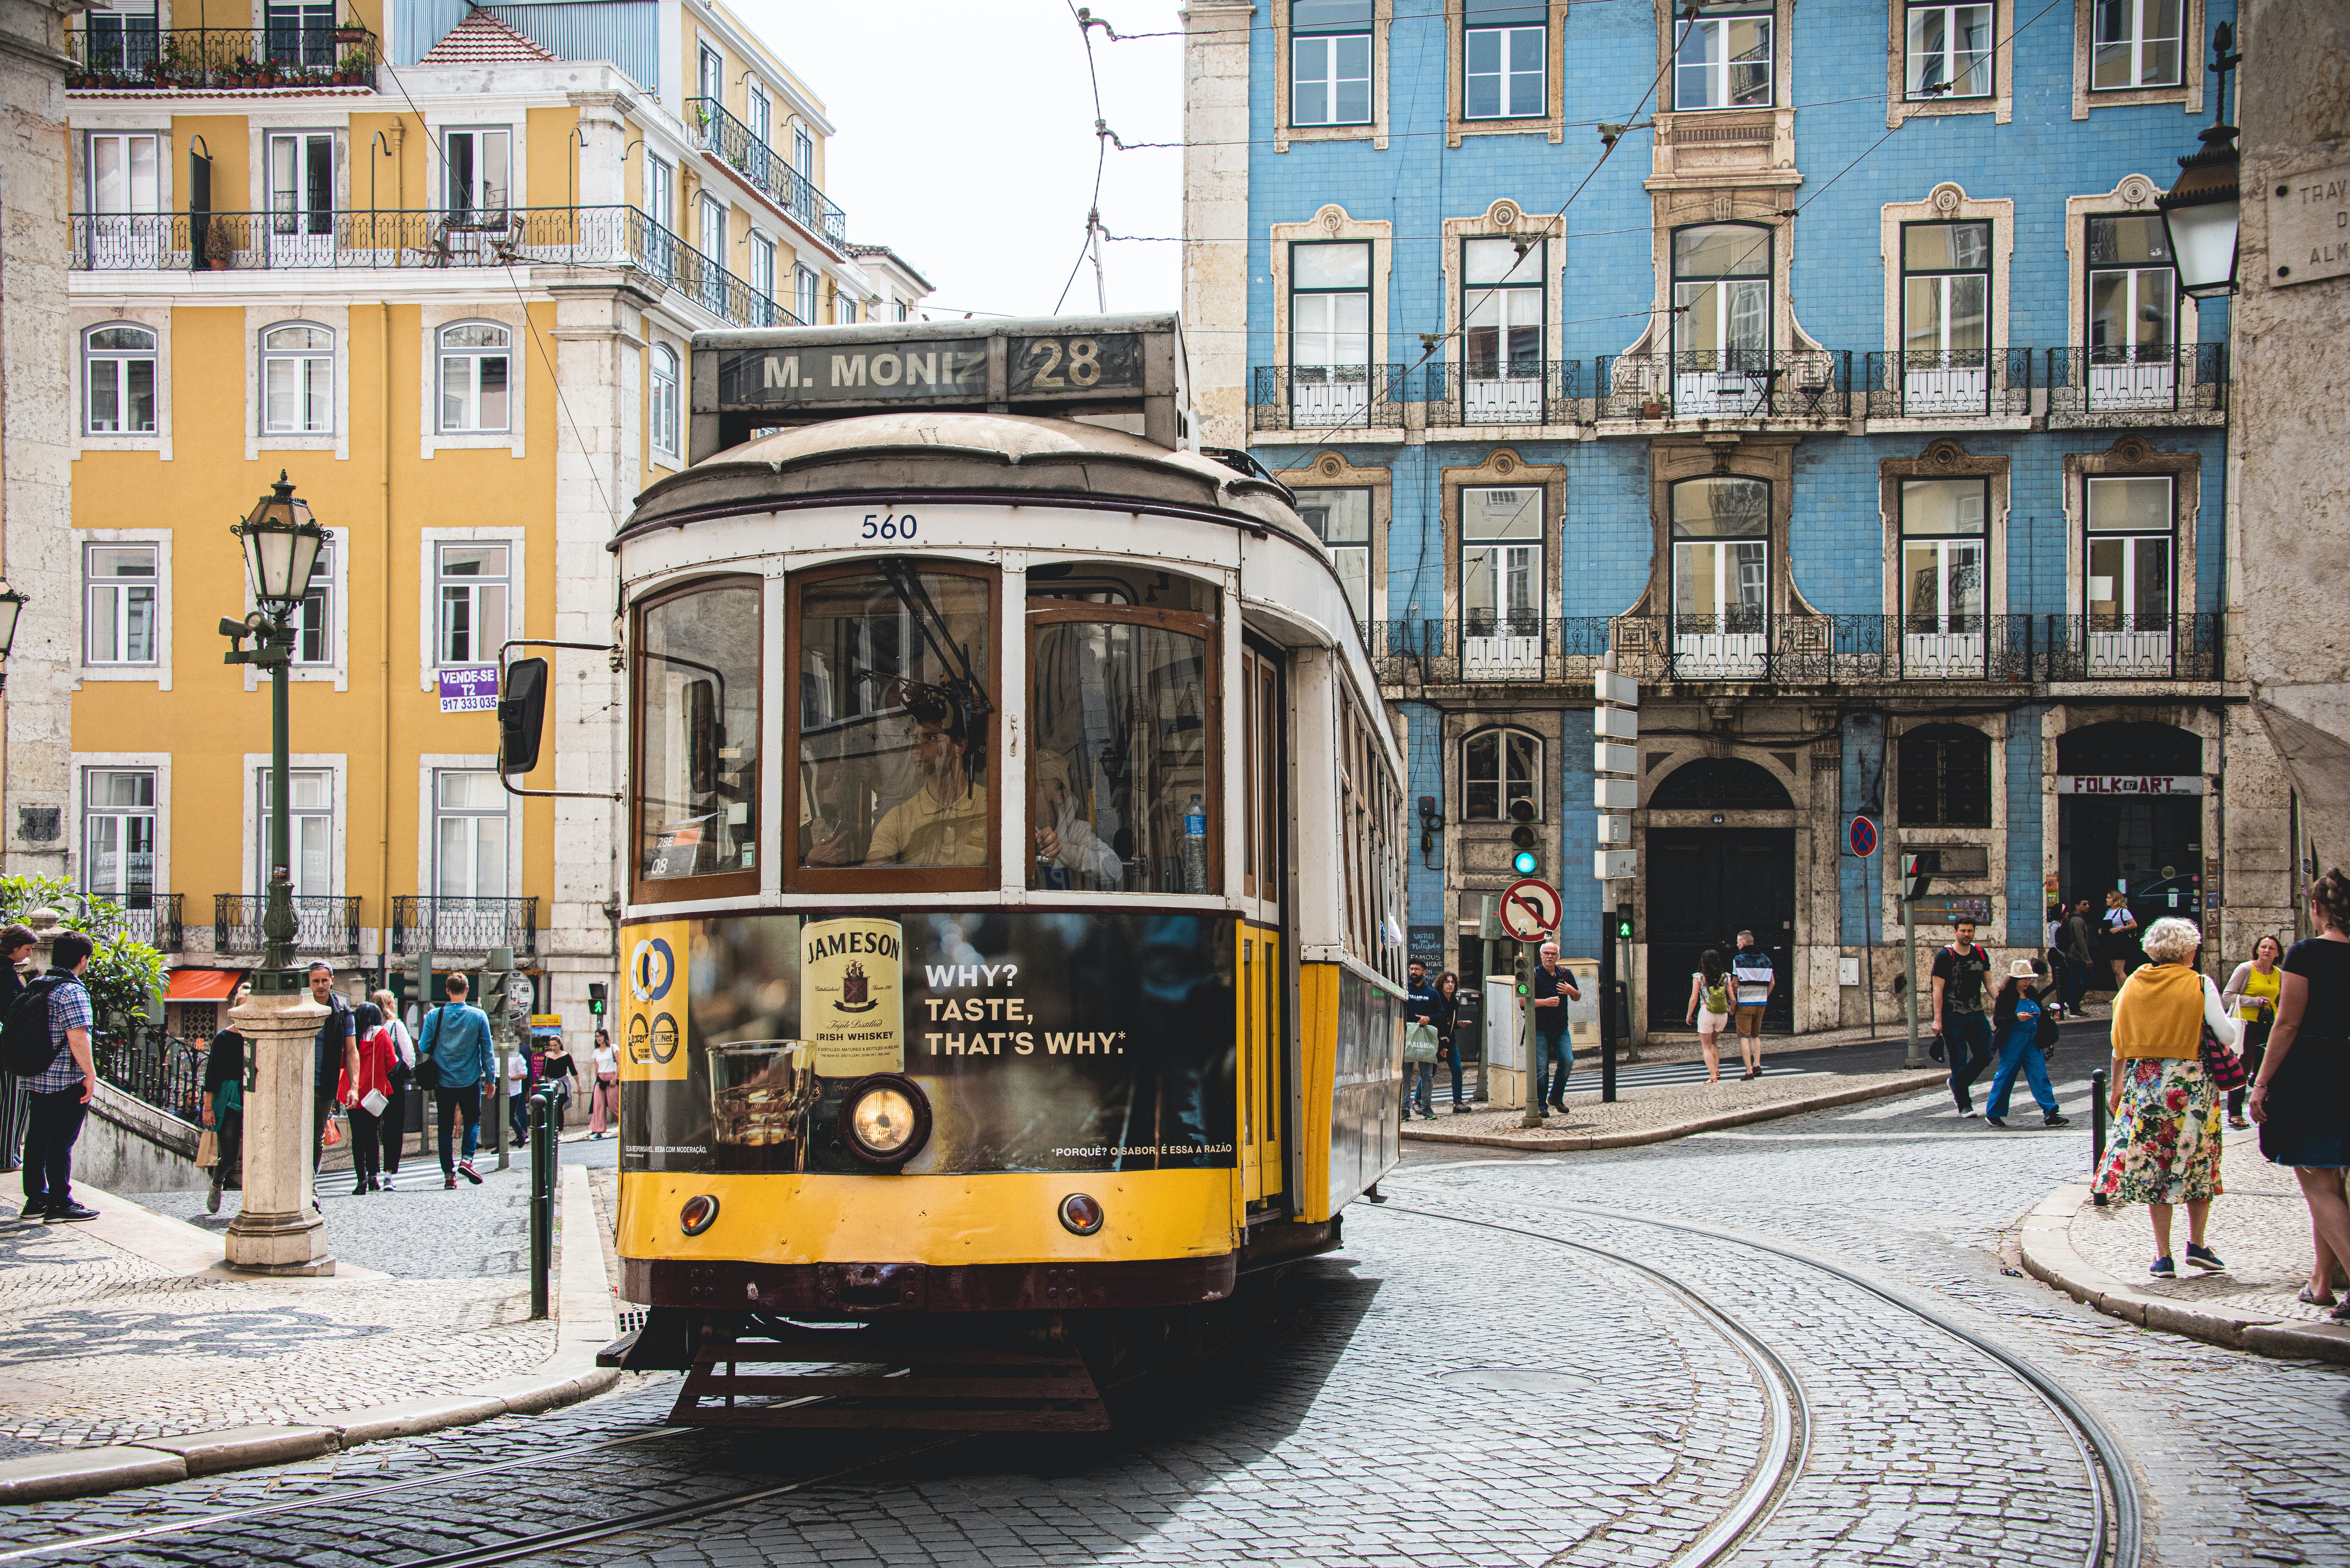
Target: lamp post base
{"points": [[278, 1231], [278, 1244]]}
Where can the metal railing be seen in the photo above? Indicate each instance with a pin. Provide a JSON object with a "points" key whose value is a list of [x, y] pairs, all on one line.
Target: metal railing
{"points": [[1949, 384], [1810, 651], [2106, 387], [152, 1067], [152, 918], [130, 58], [341, 239], [1327, 397], [718, 133], [323, 923], [1538, 392], [1726, 384], [464, 925]]}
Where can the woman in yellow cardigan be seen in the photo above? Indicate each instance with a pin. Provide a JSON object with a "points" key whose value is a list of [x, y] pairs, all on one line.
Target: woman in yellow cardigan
{"points": [[2168, 1116]]}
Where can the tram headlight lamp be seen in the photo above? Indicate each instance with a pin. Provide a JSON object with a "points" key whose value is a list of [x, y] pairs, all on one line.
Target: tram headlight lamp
{"points": [[1081, 1215], [700, 1213], [884, 1119]]}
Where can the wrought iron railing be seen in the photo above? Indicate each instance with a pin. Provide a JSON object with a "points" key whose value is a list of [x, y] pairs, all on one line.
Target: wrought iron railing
{"points": [[306, 240], [2137, 386], [1810, 651], [152, 918], [132, 58], [1949, 384], [323, 923], [1327, 397], [464, 925], [1535, 392], [152, 1067], [719, 132], [1726, 384]]}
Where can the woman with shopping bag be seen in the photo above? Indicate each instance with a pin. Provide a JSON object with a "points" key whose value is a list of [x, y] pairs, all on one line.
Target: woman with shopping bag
{"points": [[365, 1093]]}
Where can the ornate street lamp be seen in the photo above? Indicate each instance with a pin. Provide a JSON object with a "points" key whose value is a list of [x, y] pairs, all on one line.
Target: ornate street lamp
{"points": [[2202, 210], [12, 604], [281, 542]]}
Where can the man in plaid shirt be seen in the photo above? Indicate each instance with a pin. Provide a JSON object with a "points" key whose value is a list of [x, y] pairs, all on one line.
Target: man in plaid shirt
{"points": [[60, 1092]]}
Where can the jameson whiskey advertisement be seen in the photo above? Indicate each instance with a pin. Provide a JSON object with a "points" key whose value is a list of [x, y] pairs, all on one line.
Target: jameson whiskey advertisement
{"points": [[1062, 1041]]}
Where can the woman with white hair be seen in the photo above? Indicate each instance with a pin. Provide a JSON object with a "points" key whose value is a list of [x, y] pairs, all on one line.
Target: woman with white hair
{"points": [[2166, 1148]]}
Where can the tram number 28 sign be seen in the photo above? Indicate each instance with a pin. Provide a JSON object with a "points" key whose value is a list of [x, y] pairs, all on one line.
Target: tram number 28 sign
{"points": [[1530, 910], [927, 369]]}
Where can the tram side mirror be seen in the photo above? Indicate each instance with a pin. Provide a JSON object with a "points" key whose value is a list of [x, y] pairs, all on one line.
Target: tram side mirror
{"points": [[702, 734], [521, 714]]}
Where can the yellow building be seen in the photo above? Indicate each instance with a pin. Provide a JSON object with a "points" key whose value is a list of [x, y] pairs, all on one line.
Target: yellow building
{"points": [[441, 267]]}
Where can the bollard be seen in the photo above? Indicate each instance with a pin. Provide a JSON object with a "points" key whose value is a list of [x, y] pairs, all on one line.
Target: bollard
{"points": [[541, 1224], [2097, 1128]]}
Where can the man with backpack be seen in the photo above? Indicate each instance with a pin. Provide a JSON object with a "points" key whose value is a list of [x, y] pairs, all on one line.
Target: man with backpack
{"points": [[453, 1059], [1958, 1016], [46, 1042]]}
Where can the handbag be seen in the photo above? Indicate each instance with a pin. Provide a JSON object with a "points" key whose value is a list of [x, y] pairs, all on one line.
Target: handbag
{"points": [[208, 1149], [1419, 1042], [428, 1070], [2223, 1065]]}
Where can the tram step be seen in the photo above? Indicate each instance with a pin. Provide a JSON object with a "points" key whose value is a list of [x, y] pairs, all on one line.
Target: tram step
{"points": [[936, 1386]]}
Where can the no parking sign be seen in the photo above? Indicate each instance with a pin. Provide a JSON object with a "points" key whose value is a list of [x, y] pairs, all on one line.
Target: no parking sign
{"points": [[1863, 837]]}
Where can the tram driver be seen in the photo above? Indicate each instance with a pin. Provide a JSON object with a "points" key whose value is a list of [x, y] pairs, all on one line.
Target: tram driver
{"points": [[945, 821]]}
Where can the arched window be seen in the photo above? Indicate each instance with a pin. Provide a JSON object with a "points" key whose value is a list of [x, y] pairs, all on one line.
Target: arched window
{"points": [[1499, 770], [474, 374], [665, 400], [1721, 783], [118, 380], [1945, 776], [298, 380]]}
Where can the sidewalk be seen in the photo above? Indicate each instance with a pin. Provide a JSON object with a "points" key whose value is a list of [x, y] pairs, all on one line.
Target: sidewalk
{"points": [[130, 1354], [2259, 1224]]}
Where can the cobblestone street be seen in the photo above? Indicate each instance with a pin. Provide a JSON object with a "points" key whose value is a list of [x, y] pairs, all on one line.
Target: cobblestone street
{"points": [[1509, 1363]]}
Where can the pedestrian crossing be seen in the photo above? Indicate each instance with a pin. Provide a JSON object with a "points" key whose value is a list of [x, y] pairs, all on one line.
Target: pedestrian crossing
{"points": [[2021, 1104], [1645, 1076]]}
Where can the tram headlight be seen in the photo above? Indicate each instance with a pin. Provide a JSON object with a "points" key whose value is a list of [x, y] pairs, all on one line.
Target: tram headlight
{"points": [[1081, 1215], [884, 1119], [700, 1213]]}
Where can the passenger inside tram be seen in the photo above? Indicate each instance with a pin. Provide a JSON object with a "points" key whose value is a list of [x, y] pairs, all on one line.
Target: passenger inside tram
{"points": [[1069, 854], [943, 822]]}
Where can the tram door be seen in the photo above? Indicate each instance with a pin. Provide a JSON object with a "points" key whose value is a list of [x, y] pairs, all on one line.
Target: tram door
{"points": [[1263, 980]]}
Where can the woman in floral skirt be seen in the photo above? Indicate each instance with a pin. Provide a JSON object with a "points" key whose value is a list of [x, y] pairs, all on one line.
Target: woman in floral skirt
{"points": [[2166, 1148]]}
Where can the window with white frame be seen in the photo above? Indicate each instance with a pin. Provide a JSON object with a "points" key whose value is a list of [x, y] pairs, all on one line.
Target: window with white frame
{"points": [[804, 295], [1721, 553], [478, 164], [905, 312], [1942, 549], [124, 169], [759, 115], [314, 623], [302, 182], [843, 310], [1330, 303], [661, 191], [469, 834], [1341, 519], [309, 831], [1944, 293], [2135, 43], [665, 400], [713, 234], [1950, 53], [122, 39], [118, 835], [119, 599], [1502, 307], [1504, 46], [1724, 62], [117, 366], [1501, 560], [762, 267], [1330, 62], [298, 380], [2132, 551], [1722, 295], [712, 74], [474, 370], [803, 154], [2133, 305], [1500, 769], [471, 587]]}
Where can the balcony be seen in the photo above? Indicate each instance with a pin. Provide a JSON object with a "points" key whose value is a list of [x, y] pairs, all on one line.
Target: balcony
{"points": [[283, 58], [1799, 651], [1741, 385], [1535, 392], [428, 241], [1949, 385], [449, 925], [2091, 388], [322, 923], [731, 141], [152, 918], [1327, 397]]}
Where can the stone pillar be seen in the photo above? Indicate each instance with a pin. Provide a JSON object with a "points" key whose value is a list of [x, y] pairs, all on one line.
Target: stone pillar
{"points": [[278, 1231], [1216, 216]]}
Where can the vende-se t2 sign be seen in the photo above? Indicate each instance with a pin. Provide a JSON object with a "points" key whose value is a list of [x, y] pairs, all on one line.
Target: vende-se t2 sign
{"points": [[2129, 784]]}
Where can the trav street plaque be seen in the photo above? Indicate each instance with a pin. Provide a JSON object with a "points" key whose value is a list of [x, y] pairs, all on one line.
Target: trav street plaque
{"points": [[2309, 226]]}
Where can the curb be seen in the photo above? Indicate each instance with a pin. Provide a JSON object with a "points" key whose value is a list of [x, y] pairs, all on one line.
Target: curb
{"points": [[585, 1323], [1562, 1142], [2050, 1257]]}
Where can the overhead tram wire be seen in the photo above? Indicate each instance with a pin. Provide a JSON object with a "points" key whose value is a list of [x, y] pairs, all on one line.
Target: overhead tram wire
{"points": [[1103, 137]]}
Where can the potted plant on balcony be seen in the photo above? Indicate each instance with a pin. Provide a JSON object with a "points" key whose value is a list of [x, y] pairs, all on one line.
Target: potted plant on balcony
{"points": [[1656, 408], [354, 70], [352, 31]]}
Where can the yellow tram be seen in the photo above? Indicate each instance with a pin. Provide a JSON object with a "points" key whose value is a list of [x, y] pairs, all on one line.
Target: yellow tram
{"points": [[1013, 931]]}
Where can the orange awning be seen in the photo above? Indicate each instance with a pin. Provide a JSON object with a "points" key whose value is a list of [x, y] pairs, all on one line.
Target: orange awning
{"points": [[203, 985]]}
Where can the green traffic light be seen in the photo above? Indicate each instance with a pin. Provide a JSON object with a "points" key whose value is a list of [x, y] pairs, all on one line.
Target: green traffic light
{"points": [[1523, 862], [1523, 988], [1624, 930]]}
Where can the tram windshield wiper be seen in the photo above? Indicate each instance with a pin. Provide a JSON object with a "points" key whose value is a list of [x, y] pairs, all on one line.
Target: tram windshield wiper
{"points": [[905, 580]]}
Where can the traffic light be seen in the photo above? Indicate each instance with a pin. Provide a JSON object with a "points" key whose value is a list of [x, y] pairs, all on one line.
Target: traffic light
{"points": [[594, 998], [1624, 924], [1527, 861], [420, 981], [1917, 875]]}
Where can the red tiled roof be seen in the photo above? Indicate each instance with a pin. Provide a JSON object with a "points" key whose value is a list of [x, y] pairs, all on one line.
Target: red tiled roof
{"points": [[481, 39]]}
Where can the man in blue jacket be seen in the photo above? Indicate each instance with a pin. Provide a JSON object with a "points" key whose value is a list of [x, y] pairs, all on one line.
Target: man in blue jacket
{"points": [[457, 1037]]}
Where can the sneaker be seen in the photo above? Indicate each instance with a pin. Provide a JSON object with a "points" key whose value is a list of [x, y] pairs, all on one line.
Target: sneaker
{"points": [[71, 1210], [450, 1182], [465, 1168], [211, 1201], [2053, 1120], [387, 1182], [2163, 1268], [35, 1209], [362, 1190], [2204, 1260], [1990, 1121]]}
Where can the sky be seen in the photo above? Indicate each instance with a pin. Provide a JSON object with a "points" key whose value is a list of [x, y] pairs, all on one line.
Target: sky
{"points": [[966, 142]]}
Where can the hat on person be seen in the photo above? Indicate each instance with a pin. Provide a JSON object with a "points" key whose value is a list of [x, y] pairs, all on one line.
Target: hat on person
{"points": [[2022, 969]]}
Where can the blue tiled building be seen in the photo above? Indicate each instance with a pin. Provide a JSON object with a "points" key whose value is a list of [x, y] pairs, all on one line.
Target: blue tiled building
{"points": [[1823, 365]]}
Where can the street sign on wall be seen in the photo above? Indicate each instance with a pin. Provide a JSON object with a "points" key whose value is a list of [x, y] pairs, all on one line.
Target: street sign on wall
{"points": [[1862, 836]]}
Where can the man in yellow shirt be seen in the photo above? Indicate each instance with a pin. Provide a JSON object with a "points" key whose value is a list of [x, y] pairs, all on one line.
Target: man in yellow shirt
{"points": [[944, 823]]}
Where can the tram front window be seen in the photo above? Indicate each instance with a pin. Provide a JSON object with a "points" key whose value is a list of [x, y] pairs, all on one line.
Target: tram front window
{"points": [[1122, 794], [893, 720], [697, 773]]}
